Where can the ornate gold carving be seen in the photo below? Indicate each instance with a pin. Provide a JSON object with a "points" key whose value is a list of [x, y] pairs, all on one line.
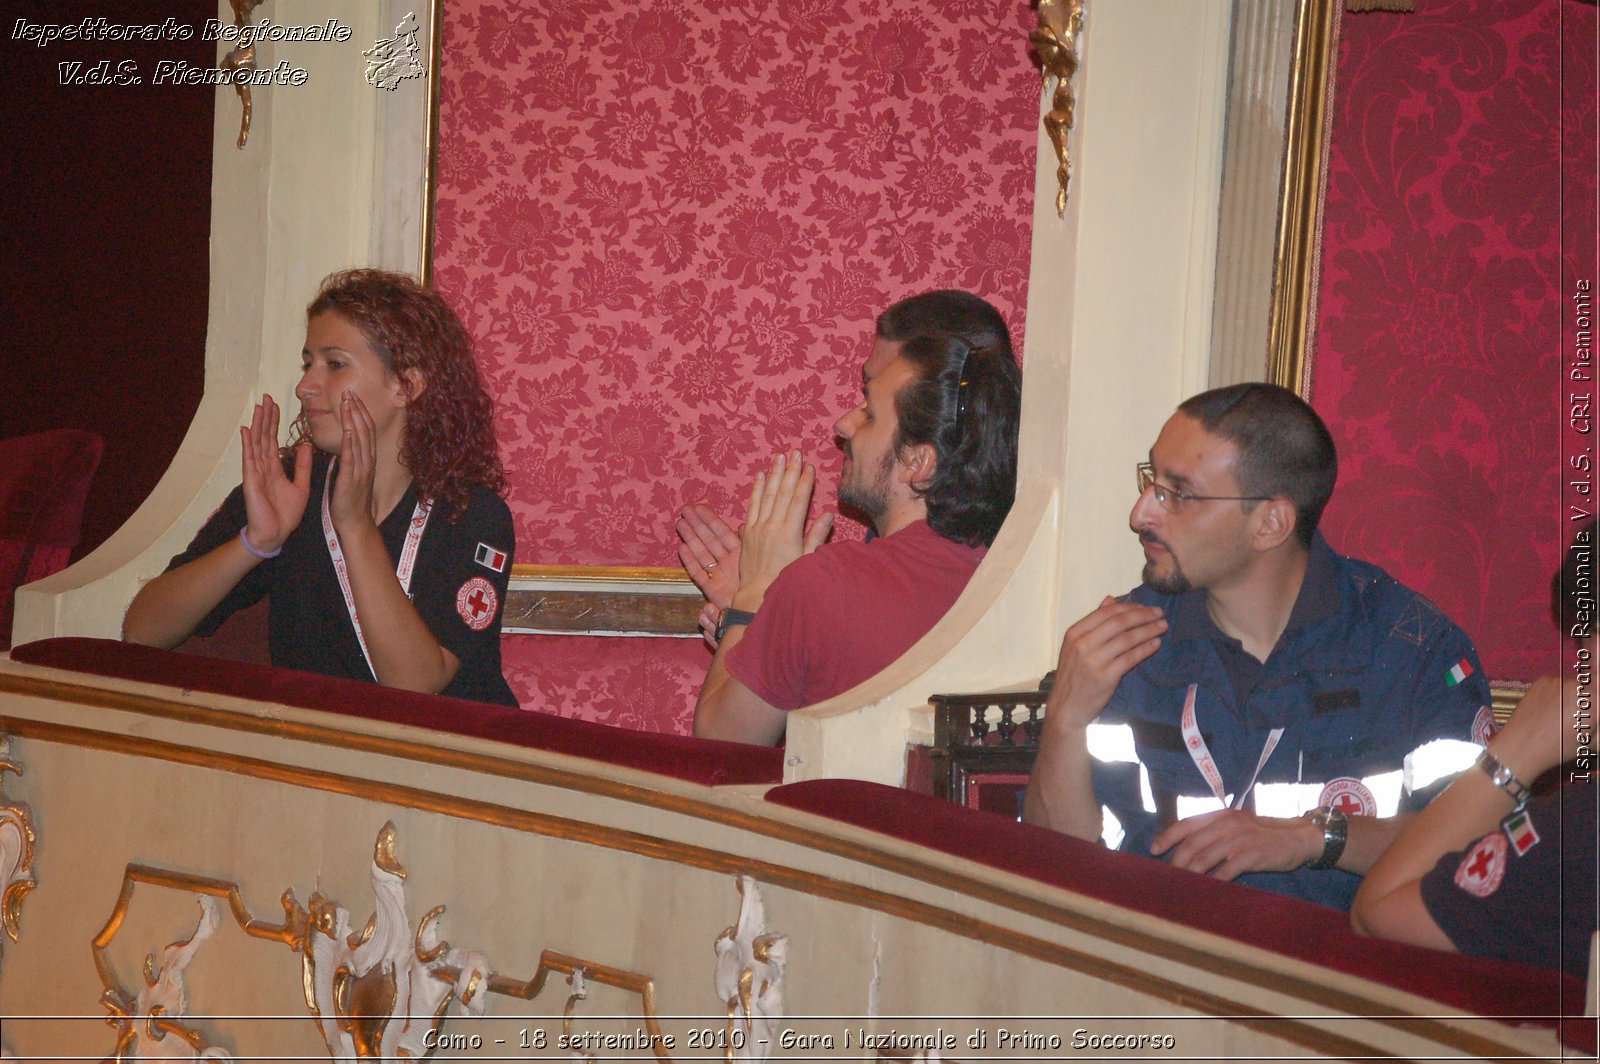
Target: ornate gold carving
{"points": [[894, 905], [1056, 41], [375, 995], [383, 852], [144, 1022], [749, 977], [242, 59], [17, 841], [579, 973]]}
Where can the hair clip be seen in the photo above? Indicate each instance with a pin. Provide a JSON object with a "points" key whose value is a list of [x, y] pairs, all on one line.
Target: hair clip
{"points": [[963, 385]]}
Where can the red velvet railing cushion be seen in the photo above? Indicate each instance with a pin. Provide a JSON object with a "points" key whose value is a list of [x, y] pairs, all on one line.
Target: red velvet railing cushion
{"points": [[1284, 925], [681, 757], [44, 479]]}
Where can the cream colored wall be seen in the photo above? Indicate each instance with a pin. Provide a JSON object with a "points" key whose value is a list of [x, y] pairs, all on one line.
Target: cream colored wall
{"points": [[331, 177], [1119, 322]]}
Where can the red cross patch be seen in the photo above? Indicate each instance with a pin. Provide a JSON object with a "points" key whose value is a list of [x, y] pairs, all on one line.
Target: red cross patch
{"points": [[1484, 726], [1484, 866], [476, 602], [1350, 796]]}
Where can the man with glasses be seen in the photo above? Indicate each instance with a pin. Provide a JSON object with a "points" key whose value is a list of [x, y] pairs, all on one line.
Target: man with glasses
{"points": [[1260, 709], [930, 459]]}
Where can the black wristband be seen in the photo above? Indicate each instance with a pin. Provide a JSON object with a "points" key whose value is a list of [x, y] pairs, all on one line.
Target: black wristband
{"points": [[1335, 832], [730, 617]]}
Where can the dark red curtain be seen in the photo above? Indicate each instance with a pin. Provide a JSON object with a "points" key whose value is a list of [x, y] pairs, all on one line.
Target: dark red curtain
{"points": [[105, 225]]}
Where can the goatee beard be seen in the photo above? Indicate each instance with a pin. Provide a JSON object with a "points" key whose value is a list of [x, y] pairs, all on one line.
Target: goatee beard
{"points": [[1174, 583]]}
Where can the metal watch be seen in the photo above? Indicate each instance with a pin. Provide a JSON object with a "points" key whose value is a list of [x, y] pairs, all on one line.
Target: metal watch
{"points": [[730, 617], [1504, 778], [1335, 832]]}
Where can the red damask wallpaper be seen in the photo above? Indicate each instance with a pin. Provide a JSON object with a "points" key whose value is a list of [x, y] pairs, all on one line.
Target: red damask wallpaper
{"points": [[670, 226], [1439, 354]]}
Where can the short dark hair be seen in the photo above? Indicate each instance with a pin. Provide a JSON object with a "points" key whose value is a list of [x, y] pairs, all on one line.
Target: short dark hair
{"points": [[947, 312], [965, 402], [1284, 448]]}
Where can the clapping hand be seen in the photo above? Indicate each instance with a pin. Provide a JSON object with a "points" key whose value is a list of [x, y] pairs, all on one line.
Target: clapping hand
{"points": [[274, 503], [709, 551]]}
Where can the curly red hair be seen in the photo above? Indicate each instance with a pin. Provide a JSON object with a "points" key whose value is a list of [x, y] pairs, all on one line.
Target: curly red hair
{"points": [[449, 444]]}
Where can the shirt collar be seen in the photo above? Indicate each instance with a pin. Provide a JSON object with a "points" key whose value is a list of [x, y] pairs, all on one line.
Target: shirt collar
{"points": [[1317, 601]]}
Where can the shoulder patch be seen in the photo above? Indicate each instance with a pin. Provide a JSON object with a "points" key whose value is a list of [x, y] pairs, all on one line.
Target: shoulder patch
{"points": [[1484, 726], [1520, 831], [1350, 796], [1457, 672], [490, 558], [1484, 866], [476, 603]]}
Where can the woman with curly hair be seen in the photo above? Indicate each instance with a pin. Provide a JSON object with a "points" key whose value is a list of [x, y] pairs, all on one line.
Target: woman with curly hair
{"points": [[378, 535]]}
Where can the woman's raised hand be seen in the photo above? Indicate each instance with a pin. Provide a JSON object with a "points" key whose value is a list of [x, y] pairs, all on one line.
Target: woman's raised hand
{"points": [[273, 502], [356, 472]]}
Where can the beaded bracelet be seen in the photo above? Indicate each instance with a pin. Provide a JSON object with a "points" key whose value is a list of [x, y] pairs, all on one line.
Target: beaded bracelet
{"points": [[264, 555]]}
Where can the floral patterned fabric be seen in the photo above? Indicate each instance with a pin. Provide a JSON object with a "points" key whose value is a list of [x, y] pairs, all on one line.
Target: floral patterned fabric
{"points": [[669, 227], [1438, 361]]}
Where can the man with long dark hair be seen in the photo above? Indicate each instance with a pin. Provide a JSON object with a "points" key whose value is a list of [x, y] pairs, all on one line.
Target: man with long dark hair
{"points": [[930, 461]]}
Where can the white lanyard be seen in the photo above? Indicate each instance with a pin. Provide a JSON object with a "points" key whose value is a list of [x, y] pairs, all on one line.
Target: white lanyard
{"points": [[408, 559], [1201, 754]]}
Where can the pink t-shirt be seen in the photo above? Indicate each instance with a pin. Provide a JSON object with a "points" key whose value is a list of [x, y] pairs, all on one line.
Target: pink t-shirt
{"points": [[846, 611]]}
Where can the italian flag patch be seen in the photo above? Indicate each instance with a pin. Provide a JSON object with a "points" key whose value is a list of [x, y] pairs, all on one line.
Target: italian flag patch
{"points": [[1458, 672], [1519, 829], [490, 558]]}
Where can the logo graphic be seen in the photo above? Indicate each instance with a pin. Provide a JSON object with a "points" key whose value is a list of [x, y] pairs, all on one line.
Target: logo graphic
{"points": [[476, 603], [1484, 866], [490, 558], [1350, 796], [1458, 672], [395, 60]]}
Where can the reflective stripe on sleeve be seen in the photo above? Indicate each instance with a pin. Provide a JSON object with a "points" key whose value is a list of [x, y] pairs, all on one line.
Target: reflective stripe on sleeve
{"points": [[1110, 742], [1194, 805], [1433, 761], [1111, 832], [1286, 800], [1385, 789]]}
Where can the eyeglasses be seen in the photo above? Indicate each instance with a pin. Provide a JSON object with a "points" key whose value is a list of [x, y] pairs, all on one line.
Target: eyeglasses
{"points": [[1173, 501]]}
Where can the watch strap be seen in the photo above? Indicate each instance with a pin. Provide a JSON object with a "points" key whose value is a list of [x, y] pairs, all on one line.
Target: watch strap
{"points": [[730, 617], [1335, 833]]}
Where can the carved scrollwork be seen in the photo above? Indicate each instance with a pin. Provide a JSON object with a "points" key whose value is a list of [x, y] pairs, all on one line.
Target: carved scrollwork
{"points": [[749, 977], [17, 841], [150, 1026], [377, 993]]}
